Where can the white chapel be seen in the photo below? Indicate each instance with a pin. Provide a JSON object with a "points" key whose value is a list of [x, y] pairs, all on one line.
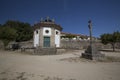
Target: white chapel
{"points": [[47, 34]]}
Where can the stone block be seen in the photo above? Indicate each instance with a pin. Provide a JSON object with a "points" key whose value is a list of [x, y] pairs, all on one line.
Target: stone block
{"points": [[93, 53], [45, 51]]}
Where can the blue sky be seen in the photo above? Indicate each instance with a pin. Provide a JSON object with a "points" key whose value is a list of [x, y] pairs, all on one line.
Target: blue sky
{"points": [[72, 15]]}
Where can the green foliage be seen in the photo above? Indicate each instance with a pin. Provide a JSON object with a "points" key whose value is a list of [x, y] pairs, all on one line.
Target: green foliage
{"points": [[116, 36], [7, 34], [0, 25], [24, 30], [69, 36], [111, 38], [106, 38], [15, 31]]}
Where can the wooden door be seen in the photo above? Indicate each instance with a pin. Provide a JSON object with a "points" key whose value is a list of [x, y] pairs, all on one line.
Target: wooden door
{"points": [[46, 42]]}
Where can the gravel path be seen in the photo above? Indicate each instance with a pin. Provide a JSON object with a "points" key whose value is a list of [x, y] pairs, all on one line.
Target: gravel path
{"points": [[18, 66]]}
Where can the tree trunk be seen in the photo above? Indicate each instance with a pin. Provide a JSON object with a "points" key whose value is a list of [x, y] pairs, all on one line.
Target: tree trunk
{"points": [[113, 46]]}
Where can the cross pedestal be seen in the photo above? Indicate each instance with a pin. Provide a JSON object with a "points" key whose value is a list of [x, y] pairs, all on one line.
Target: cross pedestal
{"points": [[93, 53]]}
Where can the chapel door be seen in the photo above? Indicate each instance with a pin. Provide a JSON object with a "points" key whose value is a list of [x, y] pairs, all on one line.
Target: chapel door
{"points": [[46, 42]]}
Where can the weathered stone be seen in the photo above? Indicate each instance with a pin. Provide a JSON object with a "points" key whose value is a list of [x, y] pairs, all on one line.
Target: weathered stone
{"points": [[93, 53], [45, 51]]}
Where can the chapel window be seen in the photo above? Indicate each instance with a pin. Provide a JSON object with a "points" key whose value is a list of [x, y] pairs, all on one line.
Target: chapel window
{"points": [[57, 32], [36, 31], [47, 31]]}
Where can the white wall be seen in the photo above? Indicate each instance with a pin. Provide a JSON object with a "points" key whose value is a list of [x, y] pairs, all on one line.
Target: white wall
{"points": [[44, 31], [57, 38], [36, 38]]}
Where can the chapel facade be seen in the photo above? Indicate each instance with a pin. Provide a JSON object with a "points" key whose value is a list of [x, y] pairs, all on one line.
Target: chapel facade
{"points": [[47, 34]]}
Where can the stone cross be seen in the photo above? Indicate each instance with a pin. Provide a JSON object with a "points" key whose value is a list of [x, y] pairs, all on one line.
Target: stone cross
{"points": [[92, 52], [90, 31]]}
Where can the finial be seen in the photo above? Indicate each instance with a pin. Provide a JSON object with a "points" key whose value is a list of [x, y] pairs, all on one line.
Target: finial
{"points": [[53, 20], [41, 19], [48, 18], [90, 21], [90, 24]]}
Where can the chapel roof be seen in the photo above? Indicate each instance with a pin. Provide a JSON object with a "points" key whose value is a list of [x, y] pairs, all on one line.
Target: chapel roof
{"points": [[47, 23]]}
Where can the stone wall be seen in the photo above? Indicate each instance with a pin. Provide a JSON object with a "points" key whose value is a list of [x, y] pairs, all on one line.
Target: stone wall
{"points": [[26, 44], [117, 46], [45, 51], [73, 44], [82, 44], [68, 45], [1, 45]]}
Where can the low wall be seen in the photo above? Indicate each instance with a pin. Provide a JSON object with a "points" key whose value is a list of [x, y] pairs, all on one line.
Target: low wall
{"points": [[82, 44], [1, 45], [45, 51], [71, 44], [74, 44]]}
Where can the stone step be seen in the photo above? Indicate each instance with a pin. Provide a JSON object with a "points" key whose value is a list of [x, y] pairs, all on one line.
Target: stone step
{"points": [[45, 51]]}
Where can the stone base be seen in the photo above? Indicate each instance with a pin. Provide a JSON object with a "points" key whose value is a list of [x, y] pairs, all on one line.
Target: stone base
{"points": [[87, 56], [45, 51], [93, 57], [93, 53]]}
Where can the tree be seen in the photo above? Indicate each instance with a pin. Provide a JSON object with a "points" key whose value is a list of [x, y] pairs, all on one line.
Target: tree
{"points": [[7, 34], [110, 38], [69, 36], [116, 36], [24, 30]]}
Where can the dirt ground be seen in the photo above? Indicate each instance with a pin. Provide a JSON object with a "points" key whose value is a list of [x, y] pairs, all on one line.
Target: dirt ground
{"points": [[19, 66]]}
